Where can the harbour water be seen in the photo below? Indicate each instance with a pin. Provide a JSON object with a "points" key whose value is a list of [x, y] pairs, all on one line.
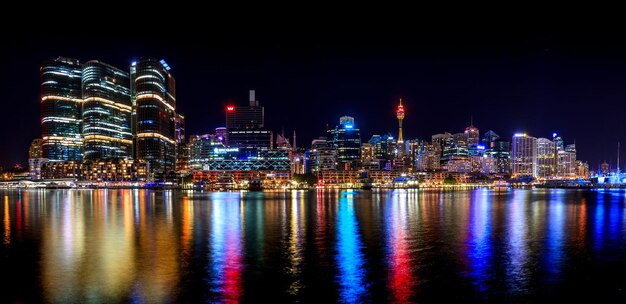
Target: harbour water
{"points": [[312, 246]]}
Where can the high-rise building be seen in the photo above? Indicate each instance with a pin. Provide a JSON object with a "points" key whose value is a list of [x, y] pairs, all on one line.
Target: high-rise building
{"points": [[400, 116], [154, 104], [489, 138], [501, 152], [322, 156], [524, 155], [245, 127], [566, 164], [546, 160], [106, 112], [61, 99], [346, 138], [473, 135]]}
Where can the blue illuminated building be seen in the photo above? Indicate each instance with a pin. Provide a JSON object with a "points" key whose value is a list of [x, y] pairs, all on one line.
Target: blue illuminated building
{"points": [[346, 138]]}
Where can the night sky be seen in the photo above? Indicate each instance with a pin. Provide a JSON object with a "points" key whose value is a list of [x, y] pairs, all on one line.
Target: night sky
{"points": [[541, 82]]}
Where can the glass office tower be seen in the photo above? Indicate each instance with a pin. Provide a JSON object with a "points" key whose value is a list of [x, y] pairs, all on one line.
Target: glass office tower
{"points": [[106, 112], [61, 99], [154, 104]]}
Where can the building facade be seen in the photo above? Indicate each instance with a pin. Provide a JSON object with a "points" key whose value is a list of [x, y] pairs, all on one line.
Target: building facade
{"points": [[546, 158], [524, 155], [154, 106], [346, 138], [106, 112], [61, 98]]}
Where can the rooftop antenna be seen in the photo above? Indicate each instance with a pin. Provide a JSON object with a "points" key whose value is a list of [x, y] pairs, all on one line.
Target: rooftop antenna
{"points": [[618, 157]]}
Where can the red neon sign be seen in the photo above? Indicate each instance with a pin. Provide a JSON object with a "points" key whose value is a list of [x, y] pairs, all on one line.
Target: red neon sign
{"points": [[230, 108]]}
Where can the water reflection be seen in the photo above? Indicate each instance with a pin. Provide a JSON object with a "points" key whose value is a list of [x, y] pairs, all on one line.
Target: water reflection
{"points": [[516, 250], [351, 277], [401, 279], [226, 258], [480, 248], [348, 246]]}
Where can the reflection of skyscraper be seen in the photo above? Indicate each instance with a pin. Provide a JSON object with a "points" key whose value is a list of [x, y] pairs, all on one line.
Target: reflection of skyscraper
{"points": [[347, 140], [106, 112], [61, 99], [154, 101], [524, 155]]}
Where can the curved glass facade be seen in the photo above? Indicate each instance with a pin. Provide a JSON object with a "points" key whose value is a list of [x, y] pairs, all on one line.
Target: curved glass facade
{"points": [[106, 112], [61, 109], [154, 101]]}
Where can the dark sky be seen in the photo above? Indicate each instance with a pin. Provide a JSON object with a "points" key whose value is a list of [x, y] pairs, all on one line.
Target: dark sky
{"points": [[573, 83]]}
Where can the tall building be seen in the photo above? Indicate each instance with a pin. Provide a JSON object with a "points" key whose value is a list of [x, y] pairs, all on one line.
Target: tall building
{"points": [[245, 127], [61, 98], [106, 112], [346, 138], [546, 160], [524, 155], [489, 138], [154, 103], [501, 151], [473, 135], [400, 116], [322, 156]]}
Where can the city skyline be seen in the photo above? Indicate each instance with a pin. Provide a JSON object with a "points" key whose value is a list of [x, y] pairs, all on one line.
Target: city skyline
{"points": [[426, 115]]}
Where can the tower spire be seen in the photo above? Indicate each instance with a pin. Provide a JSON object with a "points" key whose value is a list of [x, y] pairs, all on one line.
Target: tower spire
{"points": [[400, 116]]}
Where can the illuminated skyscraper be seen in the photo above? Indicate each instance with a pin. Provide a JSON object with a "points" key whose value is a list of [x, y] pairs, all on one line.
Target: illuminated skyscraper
{"points": [[473, 135], [546, 161], [106, 112], [400, 116], [154, 104], [524, 155], [61, 99], [245, 127], [346, 138]]}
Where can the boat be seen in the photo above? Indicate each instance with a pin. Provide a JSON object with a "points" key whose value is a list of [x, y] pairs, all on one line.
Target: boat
{"points": [[501, 185]]}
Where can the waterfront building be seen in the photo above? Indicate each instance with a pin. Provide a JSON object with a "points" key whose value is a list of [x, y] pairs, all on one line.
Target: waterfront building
{"points": [[566, 164], [346, 138], [484, 164], [61, 98], [321, 156], [106, 112], [100, 171], [245, 127], [154, 106], [546, 158], [524, 155], [500, 150], [605, 168], [582, 169], [201, 148]]}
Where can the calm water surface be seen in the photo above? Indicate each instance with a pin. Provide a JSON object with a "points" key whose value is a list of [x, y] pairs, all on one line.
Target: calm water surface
{"points": [[324, 246]]}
